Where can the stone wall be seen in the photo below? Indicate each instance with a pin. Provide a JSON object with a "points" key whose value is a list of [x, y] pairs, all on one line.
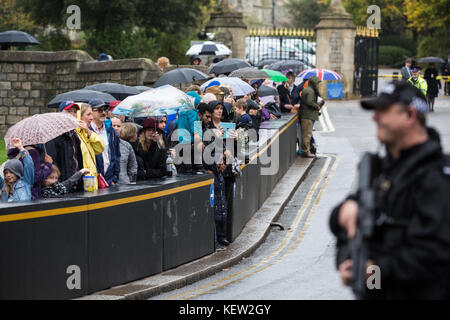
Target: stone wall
{"points": [[30, 80]]}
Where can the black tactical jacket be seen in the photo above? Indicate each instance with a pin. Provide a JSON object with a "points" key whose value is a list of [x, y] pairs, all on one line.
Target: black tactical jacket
{"points": [[411, 242]]}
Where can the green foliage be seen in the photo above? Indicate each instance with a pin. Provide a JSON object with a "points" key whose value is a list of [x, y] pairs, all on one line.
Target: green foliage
{"points": [[119, 44], [15, 18], [392, 55], [52, 41], [126, 28], [437, 45], [305, 13], [402, 41], [3, 155]]}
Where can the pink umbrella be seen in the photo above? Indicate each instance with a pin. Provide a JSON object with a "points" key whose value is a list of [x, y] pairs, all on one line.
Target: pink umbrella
{"points": [[41, 128]]}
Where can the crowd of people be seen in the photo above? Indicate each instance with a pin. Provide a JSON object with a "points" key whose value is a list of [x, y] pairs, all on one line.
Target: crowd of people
{"points": [[115, 150]]}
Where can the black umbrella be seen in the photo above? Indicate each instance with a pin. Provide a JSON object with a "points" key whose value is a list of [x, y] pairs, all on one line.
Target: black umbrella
{"points": [[265, 62], [178, 76], [142, 88], [249, 73], [228, 65], [431, 60], [286, 65], [265, 91], [17, 38], [118, 91], [80, 96]]}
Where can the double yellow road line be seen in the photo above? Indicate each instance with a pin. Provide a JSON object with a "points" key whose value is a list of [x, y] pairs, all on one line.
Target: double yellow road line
{"points": [[285, 247]]}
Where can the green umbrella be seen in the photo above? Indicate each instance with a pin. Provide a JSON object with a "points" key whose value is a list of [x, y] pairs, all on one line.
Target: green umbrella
{"points": [[276, 76]]}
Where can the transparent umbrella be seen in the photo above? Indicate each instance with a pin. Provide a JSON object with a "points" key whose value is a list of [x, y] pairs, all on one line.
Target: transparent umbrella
{"points": [[160, 101]]}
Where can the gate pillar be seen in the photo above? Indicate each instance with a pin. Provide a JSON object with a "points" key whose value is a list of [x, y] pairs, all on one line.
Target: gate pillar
{"points": [[335, 38], [229, 28]]}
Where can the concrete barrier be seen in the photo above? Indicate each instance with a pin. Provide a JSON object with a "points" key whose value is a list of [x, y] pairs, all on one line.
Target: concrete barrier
{"points": [[72, 247]]}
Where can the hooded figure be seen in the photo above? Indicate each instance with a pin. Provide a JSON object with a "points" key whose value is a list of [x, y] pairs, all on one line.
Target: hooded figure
{"points": [[310, 108], [309, 112], [195, 60], [20, 190], [196, 96]]}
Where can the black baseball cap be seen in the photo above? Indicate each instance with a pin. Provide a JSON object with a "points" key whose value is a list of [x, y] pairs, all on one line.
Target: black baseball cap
{"points": [[395, 92]]}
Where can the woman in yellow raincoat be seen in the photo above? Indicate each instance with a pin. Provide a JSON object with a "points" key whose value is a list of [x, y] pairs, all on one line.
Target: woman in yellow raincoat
{"points": [[90, 143]]}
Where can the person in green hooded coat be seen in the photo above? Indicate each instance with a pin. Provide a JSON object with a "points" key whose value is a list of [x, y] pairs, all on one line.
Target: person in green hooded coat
{"points": [[309, 112]]}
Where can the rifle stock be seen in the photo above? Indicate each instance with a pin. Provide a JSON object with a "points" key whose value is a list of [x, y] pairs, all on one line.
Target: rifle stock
{"points": [[365, 223]]}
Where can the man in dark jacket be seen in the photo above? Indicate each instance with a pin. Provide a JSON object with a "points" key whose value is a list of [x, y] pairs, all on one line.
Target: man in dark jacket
{"points": [[411, 236], [108, 162], [288, 98]]}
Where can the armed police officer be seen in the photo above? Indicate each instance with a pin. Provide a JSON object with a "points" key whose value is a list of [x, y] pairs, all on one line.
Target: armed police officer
{"points": [[401, 224]]}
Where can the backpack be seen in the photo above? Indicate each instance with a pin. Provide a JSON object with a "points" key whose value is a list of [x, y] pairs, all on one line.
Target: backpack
{"points": [[274, 109]]}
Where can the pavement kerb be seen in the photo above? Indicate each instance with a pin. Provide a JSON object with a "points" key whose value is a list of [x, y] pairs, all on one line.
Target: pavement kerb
{"points": [[251, 237]]}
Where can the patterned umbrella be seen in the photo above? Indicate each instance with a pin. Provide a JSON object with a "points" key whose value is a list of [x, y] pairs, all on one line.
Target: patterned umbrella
{"points": [[41, 128], [209, 48], [240, 88], [160, 101], [323, 74]]}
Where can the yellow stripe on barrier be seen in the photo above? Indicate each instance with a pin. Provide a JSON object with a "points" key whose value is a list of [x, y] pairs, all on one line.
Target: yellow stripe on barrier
{"points": [[270, 143], [101, 205]]}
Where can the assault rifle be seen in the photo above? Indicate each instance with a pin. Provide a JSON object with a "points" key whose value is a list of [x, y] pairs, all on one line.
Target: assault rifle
{"points": [[368, 169]]}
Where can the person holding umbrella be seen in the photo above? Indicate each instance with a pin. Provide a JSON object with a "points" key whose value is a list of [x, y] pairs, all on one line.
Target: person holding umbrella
{"points": [[90, 143], [287, 103], [65, 149], [433, 83]]}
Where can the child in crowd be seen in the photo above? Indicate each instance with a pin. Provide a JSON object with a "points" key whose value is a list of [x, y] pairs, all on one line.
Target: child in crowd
{"points": [[52, 188], [19, 178], [243, 120]]}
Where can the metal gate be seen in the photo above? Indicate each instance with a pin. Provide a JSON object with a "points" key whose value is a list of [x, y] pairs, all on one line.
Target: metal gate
{"points": [[365, 80], [265, 46]]}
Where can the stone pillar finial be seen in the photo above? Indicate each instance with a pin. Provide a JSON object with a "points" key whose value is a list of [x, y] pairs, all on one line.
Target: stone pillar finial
{"points": [[336, 6]]}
